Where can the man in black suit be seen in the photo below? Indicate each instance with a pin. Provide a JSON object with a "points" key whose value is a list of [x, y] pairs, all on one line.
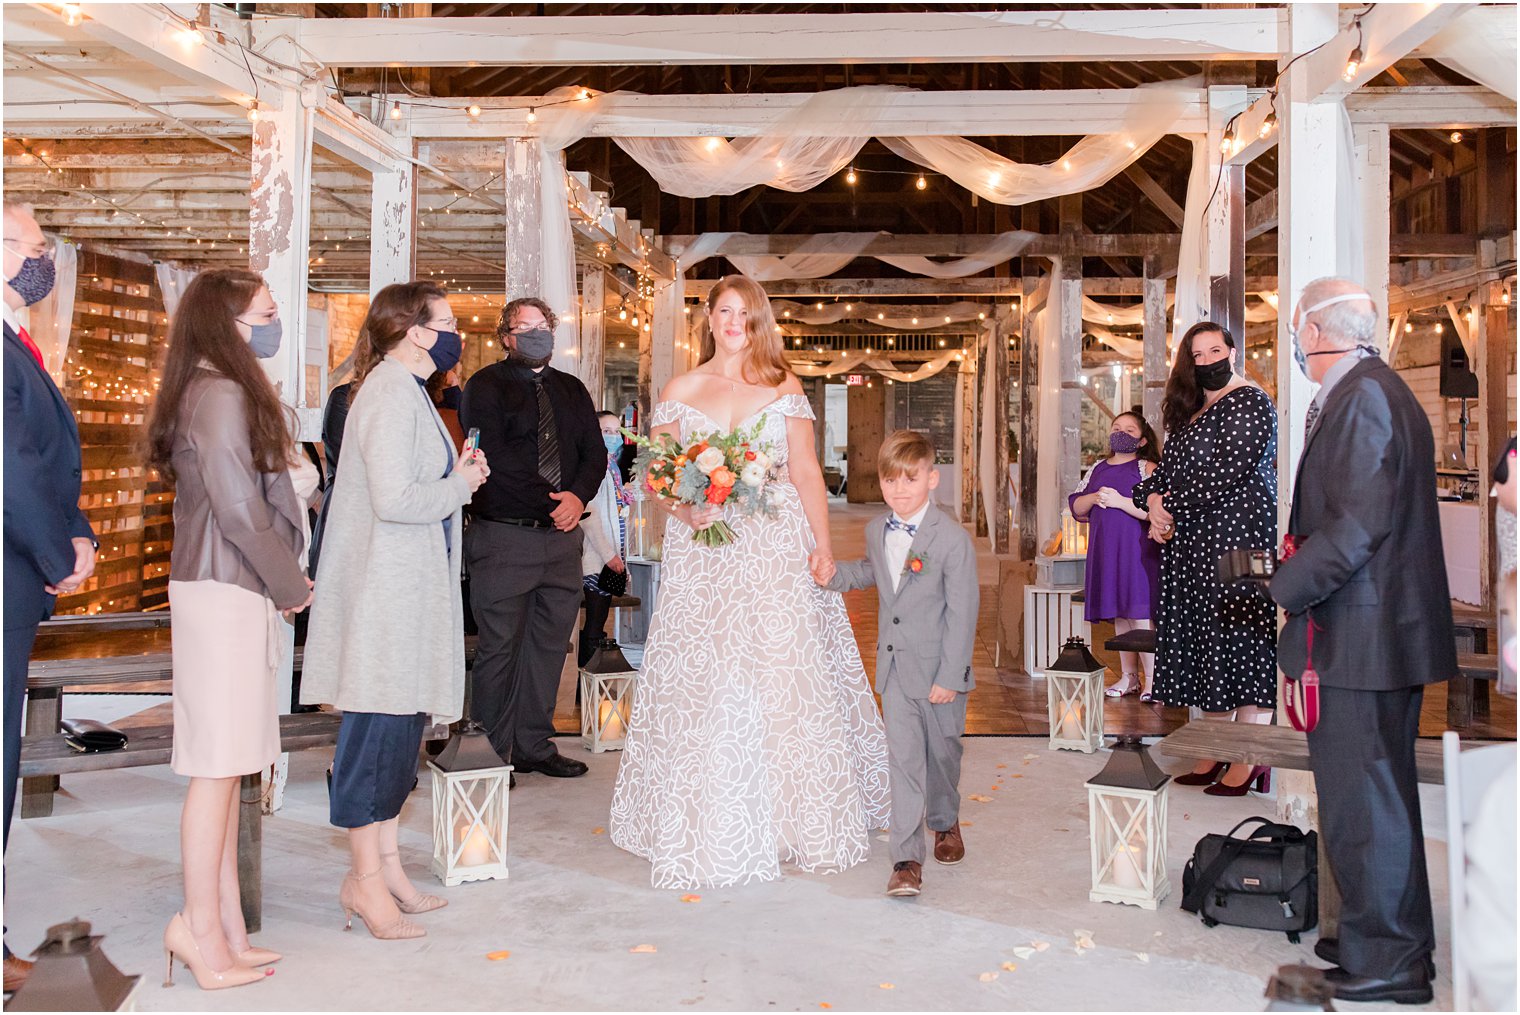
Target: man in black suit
{"points": [[523, 546], [49, 546], [1368, 586]]}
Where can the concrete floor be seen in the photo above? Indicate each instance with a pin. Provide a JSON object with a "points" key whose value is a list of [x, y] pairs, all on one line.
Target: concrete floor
{"points": [[575, 906]]}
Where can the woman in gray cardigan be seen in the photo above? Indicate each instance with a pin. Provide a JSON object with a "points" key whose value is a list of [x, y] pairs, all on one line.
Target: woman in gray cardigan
{"points": [[386, 642]]}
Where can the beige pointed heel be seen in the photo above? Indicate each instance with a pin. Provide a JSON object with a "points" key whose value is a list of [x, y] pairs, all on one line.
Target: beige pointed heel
{"points": [[419, 903], [180, 943], [399, 929]]}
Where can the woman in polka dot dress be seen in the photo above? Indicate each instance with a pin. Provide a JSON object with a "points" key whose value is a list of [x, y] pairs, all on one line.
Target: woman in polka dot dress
{"points": [[1216, 490]]}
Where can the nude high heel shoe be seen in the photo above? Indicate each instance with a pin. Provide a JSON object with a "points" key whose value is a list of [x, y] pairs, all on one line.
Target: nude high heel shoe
{"points": [[419, 903], [399, 929], [180, 943], [253, 956]]}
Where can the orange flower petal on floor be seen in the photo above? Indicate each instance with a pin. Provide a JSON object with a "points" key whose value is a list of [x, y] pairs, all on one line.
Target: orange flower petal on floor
{"points": [[598, 830], [643, 949], [691, 898], [497, 956]]}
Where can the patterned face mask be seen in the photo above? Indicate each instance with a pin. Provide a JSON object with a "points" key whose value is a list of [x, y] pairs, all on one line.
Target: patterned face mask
{"points": [[1121, 443]]}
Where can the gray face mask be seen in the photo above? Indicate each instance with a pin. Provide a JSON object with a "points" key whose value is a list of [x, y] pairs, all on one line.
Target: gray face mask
{"points": [[266, 339], [537, 344]]}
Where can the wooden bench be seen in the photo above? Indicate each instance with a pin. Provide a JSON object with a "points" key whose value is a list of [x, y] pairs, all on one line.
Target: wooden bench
{"points": [[1138, 640], [50, 755], [1283, 747]]}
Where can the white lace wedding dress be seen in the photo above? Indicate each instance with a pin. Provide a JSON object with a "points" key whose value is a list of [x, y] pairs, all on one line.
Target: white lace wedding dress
{"points": [[754, 737]]}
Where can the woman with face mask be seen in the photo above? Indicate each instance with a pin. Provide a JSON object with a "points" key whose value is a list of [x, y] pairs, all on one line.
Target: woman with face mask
{"points": [[386, 643], [1123, 566], [218, 431], [605, 541], [1215, 490]]}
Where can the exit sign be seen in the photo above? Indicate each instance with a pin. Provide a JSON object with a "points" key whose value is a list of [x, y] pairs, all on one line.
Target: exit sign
{"points": [[855, 380]]}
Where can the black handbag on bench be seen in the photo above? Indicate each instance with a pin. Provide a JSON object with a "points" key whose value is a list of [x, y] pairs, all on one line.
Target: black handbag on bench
{"points": [[90, 737], [1268, 880]]}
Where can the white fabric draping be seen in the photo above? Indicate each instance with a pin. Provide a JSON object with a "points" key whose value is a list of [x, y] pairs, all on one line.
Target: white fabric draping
{"points": [[51, 321], [874, 361], [1130, 348], [1480, 44], [1350, 246], [1190, 304], [1133, 315], [797, 155], [172, 282], [825, 253]]}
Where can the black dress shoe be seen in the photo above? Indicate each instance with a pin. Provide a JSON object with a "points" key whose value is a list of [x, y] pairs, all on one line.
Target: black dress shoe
{"points": [[555, 764], [1329, 949], [1411, 986]]}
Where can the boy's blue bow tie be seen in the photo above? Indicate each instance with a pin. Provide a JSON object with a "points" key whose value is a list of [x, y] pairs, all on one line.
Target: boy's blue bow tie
{"points": [[894, 524]]}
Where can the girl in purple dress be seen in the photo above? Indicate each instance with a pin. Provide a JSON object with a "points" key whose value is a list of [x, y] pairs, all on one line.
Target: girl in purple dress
{"points": [[1123, 567]]}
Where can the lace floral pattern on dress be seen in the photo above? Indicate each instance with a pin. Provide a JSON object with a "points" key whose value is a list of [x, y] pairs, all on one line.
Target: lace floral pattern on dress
{"points": [[755, 739]]}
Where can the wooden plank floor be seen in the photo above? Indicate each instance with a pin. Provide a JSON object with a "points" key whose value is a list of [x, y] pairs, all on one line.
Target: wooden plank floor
{"points": [[1006, 702]]}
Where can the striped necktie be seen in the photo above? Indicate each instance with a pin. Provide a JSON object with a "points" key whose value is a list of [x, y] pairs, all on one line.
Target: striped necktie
{"points": [[548, 436], [1311, 417]]}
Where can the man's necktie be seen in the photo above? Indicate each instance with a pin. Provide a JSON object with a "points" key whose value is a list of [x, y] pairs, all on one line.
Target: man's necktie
{"points": [[894, 524], [31, 347], [1310, 417], [548, 436]]}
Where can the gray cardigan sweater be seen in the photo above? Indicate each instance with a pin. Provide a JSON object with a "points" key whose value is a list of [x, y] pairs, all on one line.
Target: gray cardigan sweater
{"points": [[387, 629]]}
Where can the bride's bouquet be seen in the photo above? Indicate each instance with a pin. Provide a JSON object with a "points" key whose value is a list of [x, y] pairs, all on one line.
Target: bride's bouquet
{"points": [[723, 470]]}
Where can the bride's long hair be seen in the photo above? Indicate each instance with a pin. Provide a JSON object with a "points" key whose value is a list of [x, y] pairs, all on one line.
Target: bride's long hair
{"points": [[765, 362]]}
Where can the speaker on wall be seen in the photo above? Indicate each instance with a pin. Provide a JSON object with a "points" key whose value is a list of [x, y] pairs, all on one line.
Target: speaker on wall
{"points": [[1457, 378]]}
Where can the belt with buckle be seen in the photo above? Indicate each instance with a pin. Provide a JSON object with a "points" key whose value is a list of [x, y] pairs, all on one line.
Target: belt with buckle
{"points": [[526, 523]]}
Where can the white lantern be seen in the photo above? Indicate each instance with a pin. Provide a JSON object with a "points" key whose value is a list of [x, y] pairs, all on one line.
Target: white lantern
{"points": [[470, 784], [1074, 698], [1126, 813], [607, 683]]}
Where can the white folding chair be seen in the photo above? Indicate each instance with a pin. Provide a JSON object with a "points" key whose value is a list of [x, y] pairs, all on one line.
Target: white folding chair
{"points": [[1467, 774]]}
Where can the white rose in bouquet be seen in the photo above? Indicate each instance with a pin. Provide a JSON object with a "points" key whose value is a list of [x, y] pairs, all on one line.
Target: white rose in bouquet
{"points": [[753, 474], [710, 460], [763, 460]]}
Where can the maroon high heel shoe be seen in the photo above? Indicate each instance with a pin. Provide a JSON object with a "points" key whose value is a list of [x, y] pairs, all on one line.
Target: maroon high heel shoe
{"points": [[1259, 781], [1202, 778]]}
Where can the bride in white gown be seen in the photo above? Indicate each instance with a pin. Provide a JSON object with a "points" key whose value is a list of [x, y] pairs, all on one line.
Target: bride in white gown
{"points": [[754, 739]]}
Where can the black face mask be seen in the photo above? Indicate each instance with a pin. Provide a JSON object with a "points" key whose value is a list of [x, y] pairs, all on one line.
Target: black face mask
{"points": [[1213, 376]]}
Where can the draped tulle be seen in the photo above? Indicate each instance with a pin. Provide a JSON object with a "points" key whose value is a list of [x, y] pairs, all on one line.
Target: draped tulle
{"points": [[755, 739]]}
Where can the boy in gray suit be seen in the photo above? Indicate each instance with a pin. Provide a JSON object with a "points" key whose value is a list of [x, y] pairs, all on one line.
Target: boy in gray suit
{"points": [[924, 568]]}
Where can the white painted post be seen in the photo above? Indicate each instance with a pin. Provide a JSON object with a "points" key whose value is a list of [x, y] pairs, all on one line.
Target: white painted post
{"points": [[1308, 221], [522, 191], [668, 328], [1069, 358], [593, 333], [393, 225], [1153, 338], [1224, 225], [279, 228], [1372, 163]]}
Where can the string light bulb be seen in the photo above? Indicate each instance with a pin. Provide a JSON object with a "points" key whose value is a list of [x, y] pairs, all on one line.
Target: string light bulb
{"points": [[1227, 144], [532, 115], [1456, 137], [191, 36], [473, 109], [585, 94], [850, 176], [253, 111], [1408, 328], [921, 183], [1504, 297], [72, 15], [1440, 328], [1353, 64], [396, 110], [1268, 125]]}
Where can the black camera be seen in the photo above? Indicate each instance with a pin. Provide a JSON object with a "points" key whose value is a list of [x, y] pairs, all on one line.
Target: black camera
{"points": [[1247, 565]]}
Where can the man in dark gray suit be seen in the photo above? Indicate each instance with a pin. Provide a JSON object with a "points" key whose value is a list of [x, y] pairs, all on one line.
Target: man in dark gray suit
{"points": [[1368, 610], [923, 566]]}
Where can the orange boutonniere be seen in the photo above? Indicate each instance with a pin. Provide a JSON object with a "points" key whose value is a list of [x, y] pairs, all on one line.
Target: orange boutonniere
{"points": [[915, 563]]}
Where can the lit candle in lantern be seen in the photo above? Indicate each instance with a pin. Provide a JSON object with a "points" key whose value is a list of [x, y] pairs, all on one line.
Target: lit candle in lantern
{"points": [[612, 718], [477, 845], [1071, 720], [1126, 868]]}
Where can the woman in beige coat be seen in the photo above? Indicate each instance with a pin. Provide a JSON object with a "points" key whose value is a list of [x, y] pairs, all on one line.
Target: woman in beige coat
{"points": [[386, 642], [219, 433]]}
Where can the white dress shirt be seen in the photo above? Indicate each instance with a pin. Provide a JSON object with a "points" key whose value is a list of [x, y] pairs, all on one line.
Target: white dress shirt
{"points": [[898, 543]]}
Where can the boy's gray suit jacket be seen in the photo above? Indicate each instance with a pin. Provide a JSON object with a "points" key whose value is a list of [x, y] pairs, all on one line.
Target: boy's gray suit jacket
{"points": [[926, 629]]}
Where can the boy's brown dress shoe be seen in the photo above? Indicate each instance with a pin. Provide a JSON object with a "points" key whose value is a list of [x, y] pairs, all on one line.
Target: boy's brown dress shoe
{"points": [[949, 847], [16, 972], [907, 878]]}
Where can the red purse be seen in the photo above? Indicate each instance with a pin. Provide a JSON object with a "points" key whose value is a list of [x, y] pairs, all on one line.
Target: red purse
{"points": [[1302, 695]]}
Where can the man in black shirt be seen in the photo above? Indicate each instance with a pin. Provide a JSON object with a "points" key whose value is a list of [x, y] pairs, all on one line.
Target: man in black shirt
{"points": [[523, 546]]}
